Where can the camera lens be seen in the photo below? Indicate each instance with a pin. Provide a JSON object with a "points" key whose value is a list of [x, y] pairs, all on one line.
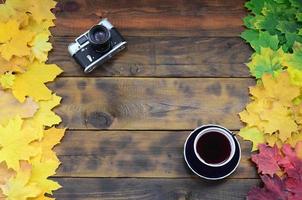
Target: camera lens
{"points": [[99, 37]]}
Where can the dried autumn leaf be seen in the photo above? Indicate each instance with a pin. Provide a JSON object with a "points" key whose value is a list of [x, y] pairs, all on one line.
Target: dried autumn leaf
{"points": [[8, 30], [51, 138], [45, 116], [294, 139], [273, 139], [19, 187], [267, 61], [15, 64], [17, 46], [289, 186], [15, 143], [274, 188], [42, 10], [267, 159], [291, 163], [295, 76], [279, 119], [5, 175], [257, 193], [32, 83], [14, 9], [42, 27], [251, 115], [7, 80], [10, 107], [274, 113], [41, 46], [40, 173], [254, 135], [273, 86]]}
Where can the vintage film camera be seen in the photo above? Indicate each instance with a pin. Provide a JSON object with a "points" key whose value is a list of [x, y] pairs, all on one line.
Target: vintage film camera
{"points": [[97, 45]]}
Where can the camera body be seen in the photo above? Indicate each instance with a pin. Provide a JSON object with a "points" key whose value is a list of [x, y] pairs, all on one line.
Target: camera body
{"points": [[97, 45]]}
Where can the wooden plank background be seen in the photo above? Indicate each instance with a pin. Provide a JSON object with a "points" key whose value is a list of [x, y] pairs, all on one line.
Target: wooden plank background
{"points": [[128, 120]]}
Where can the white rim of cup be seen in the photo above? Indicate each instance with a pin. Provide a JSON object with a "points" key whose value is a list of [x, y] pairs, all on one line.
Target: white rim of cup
{"points": [[188, 164], [222, 132]]}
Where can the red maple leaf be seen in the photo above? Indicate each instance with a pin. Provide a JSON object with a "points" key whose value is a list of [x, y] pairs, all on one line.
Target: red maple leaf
{"points": [[274, 189], [267, 159], [257, 193]]}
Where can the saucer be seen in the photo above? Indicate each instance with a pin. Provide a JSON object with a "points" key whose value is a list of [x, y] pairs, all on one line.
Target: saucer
{"points": [[204, 171]]}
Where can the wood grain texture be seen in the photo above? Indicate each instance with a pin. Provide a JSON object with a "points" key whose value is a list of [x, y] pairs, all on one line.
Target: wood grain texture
{"points": [[185, 63], [153, 17], [152, 189], [165, 57], [151, 103], [133, 154]]}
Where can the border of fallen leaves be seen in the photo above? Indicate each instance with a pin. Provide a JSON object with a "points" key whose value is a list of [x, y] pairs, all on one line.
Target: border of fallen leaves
{"points": [[273, 117], [27, 132]]}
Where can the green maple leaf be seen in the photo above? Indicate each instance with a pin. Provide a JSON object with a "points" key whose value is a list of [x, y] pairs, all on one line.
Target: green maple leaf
{"points": [[299, 16], [255, 6], [268, 23], [290, 39], [248, 22], [287, 26], [296, 3], [262, 39], [282, 18], [294, 60]]}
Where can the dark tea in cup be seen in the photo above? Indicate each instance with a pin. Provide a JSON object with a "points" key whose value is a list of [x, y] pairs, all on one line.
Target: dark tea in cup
{"points": [[214, 147], [212, 152]]}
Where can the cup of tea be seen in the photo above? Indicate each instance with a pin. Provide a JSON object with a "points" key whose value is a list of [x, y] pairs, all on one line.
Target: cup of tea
{"points": [[212, 152]]}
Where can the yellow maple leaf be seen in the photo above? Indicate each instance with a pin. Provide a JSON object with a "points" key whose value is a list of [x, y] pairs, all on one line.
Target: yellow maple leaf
{"points": [[15, 64], [297, 111], [40, 173], [251, 115], [41, 27], [32, 82], [294, 139], [15, 143], [8, 30], [44, 115], [41, 46], [254, 135], [273, 139], [295, 76], [42, 10], [10, 107], [19, 187], [51, 138], [7, 80], [17, 46], [274, 110], [282, 82], [279, 119], [14, 9]]}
